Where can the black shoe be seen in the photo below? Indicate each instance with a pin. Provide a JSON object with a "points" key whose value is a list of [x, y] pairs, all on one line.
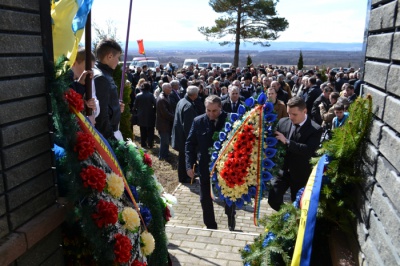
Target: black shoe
{"points": [[231, 222], [213, 227]]}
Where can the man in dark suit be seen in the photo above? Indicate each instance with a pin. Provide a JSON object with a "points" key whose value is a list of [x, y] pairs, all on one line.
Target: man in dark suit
{"points": [[198, 142], [231, 104], [164, 120], [174, 96], [302, 136], [184, 116], [145, 107]]}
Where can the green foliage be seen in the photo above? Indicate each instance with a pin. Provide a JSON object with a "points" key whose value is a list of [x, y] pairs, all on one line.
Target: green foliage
{"points": [[254, 21], [300, 63], [125, 122], [337, 202], [279, 251], [249, 61]]}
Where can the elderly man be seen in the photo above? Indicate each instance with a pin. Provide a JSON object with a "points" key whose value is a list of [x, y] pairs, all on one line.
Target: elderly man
{"points": [[281, 94], [231, 104], [184, 116], [164, 120], [174, 97], [200, 139]]}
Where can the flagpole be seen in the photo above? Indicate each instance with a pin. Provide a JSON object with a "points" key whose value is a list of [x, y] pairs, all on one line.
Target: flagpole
{"points": [[121, 91], [88, 59]]}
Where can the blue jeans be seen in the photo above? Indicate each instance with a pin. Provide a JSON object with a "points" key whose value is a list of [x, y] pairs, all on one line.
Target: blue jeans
{"points": [[164, 145]]}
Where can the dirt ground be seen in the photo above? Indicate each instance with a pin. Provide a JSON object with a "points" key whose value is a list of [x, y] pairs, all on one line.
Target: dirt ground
{"points": [[165, 171]]}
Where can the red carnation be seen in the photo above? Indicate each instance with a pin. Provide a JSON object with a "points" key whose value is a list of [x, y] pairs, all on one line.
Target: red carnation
{"points": [[85, 145], [93, 177], [122, 248], [74, 99], [147, 159], [138, 263], [107, 213]]}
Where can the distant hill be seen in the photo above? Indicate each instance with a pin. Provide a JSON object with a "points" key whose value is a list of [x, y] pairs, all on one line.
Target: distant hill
{"points": [[214, 46]]}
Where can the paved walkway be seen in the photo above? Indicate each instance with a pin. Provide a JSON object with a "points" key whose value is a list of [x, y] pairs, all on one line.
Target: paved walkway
{"points": [[191, 243]]}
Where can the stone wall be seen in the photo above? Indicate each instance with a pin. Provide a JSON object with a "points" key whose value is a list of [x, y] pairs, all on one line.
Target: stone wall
{"points": [[378, 227], [29, 213]]}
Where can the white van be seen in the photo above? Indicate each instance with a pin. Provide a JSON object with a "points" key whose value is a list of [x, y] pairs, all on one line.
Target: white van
{"points": [[189, 62]]}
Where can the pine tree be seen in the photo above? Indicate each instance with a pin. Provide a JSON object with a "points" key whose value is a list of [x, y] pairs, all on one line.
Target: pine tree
{"points": [[300, 62], [249, 60], [254, 21]]}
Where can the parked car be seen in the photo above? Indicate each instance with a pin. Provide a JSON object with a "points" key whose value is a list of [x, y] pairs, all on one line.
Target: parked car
{"points": [[203, 65], [215, 65], [189, 62], [151, 64], [226, 66], [135, 61]]}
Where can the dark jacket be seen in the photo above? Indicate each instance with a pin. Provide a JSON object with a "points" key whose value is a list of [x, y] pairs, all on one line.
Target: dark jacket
{"points": [[165, 116], [313, 93], [200, 140], [174, 99], [184, 115], [301, 148], [145, 107], [315, 111], [106, 91], [227, 105]]}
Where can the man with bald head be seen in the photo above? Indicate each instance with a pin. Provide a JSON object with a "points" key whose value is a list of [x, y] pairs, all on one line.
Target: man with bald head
{"points": [[281, 94]]}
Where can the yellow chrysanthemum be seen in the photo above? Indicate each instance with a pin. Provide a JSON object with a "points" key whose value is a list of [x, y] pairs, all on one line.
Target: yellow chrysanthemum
{"points": [[148, 243], [131, 219], [115, 185]]}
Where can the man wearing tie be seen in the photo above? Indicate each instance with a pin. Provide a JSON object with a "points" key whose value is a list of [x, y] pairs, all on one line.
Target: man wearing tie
{"points": [[200, 139], [231, 104], [302, 137]]}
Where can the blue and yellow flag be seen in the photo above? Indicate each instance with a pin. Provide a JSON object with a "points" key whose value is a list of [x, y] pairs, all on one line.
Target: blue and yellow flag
{"points": [[68, 22], [309, 206]]}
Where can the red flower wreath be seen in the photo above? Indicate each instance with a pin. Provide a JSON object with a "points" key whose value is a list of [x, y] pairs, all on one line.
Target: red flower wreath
{"points": [[85, 145], [147, 159], [122, 248], [107, 213], [93, 177], [74, 99], [235, 167]]}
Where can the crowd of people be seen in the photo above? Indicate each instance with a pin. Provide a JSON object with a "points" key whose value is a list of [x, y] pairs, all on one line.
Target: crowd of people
{"points": [[186, 107]]}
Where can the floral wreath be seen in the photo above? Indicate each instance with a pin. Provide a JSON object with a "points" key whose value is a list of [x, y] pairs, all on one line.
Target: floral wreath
{"points": [[243, 156], [121, 221]]}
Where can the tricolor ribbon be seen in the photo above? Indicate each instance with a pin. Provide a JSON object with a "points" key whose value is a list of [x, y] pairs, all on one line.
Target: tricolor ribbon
{"points": [[309, 206]]}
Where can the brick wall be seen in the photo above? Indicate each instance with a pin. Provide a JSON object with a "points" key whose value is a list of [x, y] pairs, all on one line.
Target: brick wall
{"points": [[28, 194], [378, 227]]}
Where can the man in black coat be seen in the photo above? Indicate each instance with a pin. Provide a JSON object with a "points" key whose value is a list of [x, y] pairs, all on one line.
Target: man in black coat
{"points": [[200, 139], [301, 136], [324, 100], [313, 93], [184, 115], [231, 104], [145, 108]]}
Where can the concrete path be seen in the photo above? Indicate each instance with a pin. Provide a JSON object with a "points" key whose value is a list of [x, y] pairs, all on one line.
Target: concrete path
{"points": [[191, 243]]}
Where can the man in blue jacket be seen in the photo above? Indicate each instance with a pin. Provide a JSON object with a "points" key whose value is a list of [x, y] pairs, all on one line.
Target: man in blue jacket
{"points": [[200, 139]]}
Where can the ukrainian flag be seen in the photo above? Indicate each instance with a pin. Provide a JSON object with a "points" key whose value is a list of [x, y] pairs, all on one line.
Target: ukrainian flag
{"points": [[309, 207], [68, 22]]}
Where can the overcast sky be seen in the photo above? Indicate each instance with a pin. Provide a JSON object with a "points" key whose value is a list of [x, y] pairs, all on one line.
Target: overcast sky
{"points": [[336, 21]]}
